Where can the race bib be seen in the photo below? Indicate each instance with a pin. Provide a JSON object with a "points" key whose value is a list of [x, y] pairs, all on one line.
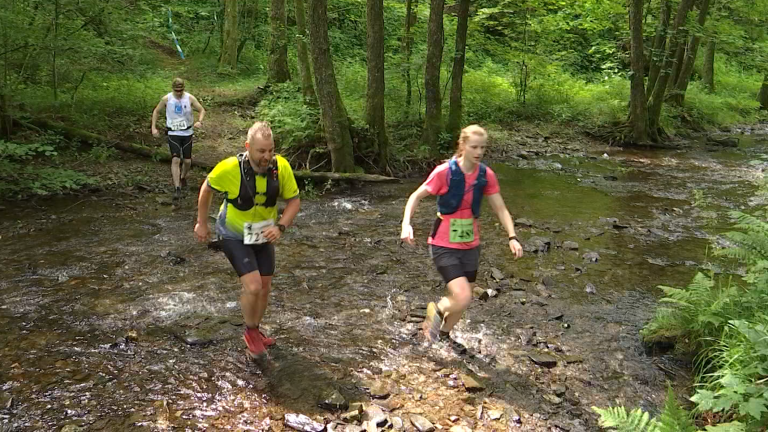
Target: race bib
{"points": [[462, 230], [178, 124], [252, 232]]}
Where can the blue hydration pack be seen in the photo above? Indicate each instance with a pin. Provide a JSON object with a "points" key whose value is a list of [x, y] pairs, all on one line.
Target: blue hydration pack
{"points": [[451, 201]]}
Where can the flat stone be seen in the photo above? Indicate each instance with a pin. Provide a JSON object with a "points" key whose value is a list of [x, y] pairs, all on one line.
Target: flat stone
{"points": [[570, 245], [523, 222], [72, 428], [374, 414], [558, 389], [333, 401], [590, 289], [553, 399], [479, 293], [444, 373], [512, 416], [591, 257], [555, 316], [503, 284], [537, 245], [543, 359], [302, 423], [497, 274], [422, 424], [397, 423], [351, 416], [470, 383], [491, 293], [379, 391], [548, 281], [495, 414], [388, 404], [454, 418], [573, 359]]}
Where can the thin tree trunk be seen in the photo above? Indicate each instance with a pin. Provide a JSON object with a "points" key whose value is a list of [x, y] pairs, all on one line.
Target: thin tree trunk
{"points": [[433, 114], [659, 45], [708, 72], [302, 49], [247, 23], [374, 107], [681, 35], [278, 43], [638, 112], [54, 72], [762, 97], [681, 86], [332, 111], [457, 76], [230, 37], [657, 97], [407, 41]]}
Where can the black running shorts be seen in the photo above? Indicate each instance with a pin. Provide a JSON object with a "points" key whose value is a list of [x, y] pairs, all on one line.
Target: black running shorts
{"points": [[249, 258], [180, 146], [455, 263]]}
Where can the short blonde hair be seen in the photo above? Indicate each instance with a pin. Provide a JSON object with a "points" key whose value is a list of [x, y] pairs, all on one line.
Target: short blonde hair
{"points": [[259, 129], [466, 134]]}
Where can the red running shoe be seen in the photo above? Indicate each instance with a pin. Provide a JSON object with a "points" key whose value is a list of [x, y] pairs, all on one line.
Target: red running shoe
{"points": [[267, 341], [253, 341]]}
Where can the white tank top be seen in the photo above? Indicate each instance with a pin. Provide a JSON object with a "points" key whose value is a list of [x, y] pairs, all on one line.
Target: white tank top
{"points": [[178, 115]]}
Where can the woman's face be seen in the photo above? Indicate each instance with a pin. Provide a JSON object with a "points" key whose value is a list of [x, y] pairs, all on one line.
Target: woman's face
{"points": [[475, 148]]}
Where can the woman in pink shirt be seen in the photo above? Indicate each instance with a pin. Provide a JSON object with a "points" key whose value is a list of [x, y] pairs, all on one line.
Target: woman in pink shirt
{"points": [[454, 243]]}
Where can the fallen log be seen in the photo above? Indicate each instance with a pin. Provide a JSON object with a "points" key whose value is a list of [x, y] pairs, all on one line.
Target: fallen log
{"points": [[92, 139]]}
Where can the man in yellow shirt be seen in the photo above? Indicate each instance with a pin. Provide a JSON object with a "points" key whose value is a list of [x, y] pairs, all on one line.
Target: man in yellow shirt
{"points": [[248, 226]]}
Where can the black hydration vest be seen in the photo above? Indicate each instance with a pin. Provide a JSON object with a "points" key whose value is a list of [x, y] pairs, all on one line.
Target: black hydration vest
{"points": [[245, 199]]}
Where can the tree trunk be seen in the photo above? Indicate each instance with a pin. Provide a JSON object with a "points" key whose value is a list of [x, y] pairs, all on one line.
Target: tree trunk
{"points": [[54, 71], [762, 97], [681, 35], [638, 111], [249, 11], [659, 45], [457, 76], [278, 43], [433, 113], [230, 37], [657, 97], [333, 113], [681, 86], [407, 41], [708, 72], [374, 107], [305, 67]]}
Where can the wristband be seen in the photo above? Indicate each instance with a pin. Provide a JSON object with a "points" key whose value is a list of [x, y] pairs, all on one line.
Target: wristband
{"points": [[514, 237]]}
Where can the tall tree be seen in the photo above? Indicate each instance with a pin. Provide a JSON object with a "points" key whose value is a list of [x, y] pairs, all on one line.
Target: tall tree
{"points": [[638, 111], [305, 67], [229, 42], [410, 18], [681, 86], [332, 111], [457, 76], [681, 35], [659, 46], [248, 13], [762, 97], [433, 114], [374, 107], [656, 100], [278, 43], [708, 70]]}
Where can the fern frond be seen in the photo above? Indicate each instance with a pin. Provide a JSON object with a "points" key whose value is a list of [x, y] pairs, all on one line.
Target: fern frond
{"points": [[674, 418], [617, 418]]}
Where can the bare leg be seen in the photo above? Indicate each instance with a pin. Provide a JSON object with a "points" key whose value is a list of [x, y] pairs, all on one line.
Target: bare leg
{"points": [[250, 299], [176, 171], [453, 306], [186, 167], [266, 287]]}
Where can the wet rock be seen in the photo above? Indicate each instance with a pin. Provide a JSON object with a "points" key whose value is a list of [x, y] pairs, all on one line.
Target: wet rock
{"points": [[553, 399], [460, 429], [723, 142], [537, 245], [491, 293], [555, 316], [72, 428], [388, 404], [173, 258], [573, 359], [470, 383], [302, 423], [543, 359], [590, 289], [397, 423], [351, 416], [497, 274], [543, 291], [548, 282], [454, 418], [620, 226], [442, 373], [591, 257], [379, 391], [558, 389], [195, 337], [495, 414], [422, 424], [333, 401], [523, 222], [373, 414], [513, 418], [370, 427], [503, 284], [537, 301], [570, 245], [479, 293], [610, 177], [526, 336], [608, 221]]}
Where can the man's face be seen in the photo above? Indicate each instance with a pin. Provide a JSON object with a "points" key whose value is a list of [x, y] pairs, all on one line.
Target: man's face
{"points": [[178, 89], [261, 151]]}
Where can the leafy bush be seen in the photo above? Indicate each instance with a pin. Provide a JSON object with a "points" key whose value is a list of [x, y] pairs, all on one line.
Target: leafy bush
{"points": [[294, 123]]}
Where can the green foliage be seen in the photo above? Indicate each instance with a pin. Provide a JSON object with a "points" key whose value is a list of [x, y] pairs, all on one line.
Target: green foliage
{"points": [[295, 123], [673, 419]]}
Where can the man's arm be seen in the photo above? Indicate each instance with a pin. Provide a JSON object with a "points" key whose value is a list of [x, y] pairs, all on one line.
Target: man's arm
{"points": [[203, 207], [498, 206], [199, 107], [290, 212], [160, 106]]}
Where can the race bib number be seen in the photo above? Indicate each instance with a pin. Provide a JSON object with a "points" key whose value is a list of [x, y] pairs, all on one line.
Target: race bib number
{"points": [[178, 124], [252, 232], [462, 230]]}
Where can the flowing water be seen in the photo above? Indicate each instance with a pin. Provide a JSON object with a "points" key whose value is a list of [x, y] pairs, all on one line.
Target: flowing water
{"points": [[114, 319]]}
